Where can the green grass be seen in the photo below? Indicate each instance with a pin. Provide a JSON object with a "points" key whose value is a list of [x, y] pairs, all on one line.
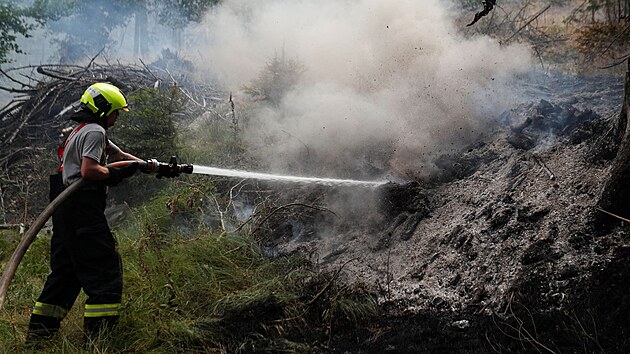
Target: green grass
{"points": [[194, 291]]}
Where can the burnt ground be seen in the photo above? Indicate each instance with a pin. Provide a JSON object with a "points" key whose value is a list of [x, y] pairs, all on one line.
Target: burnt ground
{"points": [[498, 252]]}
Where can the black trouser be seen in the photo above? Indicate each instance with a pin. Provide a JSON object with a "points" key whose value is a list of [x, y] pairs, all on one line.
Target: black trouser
{"points": [[83, 255]]}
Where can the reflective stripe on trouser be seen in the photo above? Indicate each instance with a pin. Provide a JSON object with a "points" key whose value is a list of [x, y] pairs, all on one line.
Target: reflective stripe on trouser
{"points": [[49, 310], [102, 310]]}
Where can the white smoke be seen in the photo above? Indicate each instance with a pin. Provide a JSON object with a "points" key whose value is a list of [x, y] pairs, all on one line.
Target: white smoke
{"points": [[387, 83]]}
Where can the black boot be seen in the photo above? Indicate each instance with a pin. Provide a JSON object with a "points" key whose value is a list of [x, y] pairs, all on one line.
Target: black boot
{"points": [[42, 328], [98, 328]]}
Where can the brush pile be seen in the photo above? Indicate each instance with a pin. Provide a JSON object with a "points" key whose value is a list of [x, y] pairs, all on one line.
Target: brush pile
{"points": [[36, 120]]}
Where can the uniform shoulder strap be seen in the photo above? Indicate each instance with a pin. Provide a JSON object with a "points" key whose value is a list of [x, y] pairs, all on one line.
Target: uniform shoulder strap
{"points": [[62, 146]]}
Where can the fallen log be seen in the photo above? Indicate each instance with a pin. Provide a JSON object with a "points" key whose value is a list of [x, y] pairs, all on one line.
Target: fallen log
{"points": [[11, 226]]}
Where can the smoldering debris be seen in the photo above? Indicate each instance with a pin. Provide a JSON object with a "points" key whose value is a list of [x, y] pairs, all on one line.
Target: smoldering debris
{"points": [[498, 211], [540, 124]]}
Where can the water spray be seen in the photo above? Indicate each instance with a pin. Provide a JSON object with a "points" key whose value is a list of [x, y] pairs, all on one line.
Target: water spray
{"points": [[171, 169], [282, 178], [161, 168]]}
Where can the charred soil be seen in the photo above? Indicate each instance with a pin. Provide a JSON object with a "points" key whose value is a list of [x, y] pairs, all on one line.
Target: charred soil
{"points": [[497, 252]]}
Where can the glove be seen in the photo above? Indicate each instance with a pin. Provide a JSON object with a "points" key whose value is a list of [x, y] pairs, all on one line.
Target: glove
{"points": [[148, 167], [117, 174]]}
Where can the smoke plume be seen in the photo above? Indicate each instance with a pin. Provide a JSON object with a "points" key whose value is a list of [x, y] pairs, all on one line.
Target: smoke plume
{"points": [[387, 87]]}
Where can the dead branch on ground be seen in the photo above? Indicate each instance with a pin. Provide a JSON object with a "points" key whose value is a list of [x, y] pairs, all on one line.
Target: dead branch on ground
{"points": [[260, 223], [542, 164], [488, 5]]}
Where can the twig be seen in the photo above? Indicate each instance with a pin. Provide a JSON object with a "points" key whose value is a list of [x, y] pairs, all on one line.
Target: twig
{"points": [[494, 349], [524, 335], [30, 78], [56, 76], [615, 38], [329, 284], [388, 275], [172, 78], [14, 80], [46, 66], [517, 181], [26, 148], [234, 118], [526, 24], [318, 295], [148, 70], [223, 229], [287, 206], [63, 111], [4, 214], [611, 214], [28, 187], [16, 90], [26, 119], [11, 106], [542, 164], [620, 61], [542, 63], [94, 58], [12, 226], [593, 338]]}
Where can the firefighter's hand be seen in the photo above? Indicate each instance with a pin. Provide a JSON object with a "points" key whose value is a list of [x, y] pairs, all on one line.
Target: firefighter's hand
{"points": [[117, 174], [149, 165]]}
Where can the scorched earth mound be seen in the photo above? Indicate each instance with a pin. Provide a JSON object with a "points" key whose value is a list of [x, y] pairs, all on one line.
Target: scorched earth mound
{"points": [[498, 251]]}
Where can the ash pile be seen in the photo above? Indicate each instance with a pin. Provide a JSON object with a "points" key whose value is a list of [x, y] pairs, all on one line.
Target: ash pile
{"points": [[500, 249]]}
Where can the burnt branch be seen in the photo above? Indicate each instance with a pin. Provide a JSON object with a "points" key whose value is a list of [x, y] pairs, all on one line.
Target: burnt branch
{"points": [[43, 71], [488, 5]]}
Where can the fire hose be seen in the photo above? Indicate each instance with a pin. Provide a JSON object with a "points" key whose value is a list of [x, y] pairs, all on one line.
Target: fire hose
{"points": [[149, 166]]}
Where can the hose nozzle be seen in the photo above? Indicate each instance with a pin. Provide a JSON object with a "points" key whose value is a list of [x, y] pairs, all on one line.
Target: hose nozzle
{"points": [[170, 169]]}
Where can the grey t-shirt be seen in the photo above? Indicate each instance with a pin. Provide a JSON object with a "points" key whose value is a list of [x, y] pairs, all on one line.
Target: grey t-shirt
{"points": [[90, 141]]}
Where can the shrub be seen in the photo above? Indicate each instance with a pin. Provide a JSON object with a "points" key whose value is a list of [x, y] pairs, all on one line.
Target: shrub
{"points": [[277, 77]]}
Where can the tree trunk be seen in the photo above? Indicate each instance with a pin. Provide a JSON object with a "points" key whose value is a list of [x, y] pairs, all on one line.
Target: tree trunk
{"points": [[615, 196], [140, 38]]}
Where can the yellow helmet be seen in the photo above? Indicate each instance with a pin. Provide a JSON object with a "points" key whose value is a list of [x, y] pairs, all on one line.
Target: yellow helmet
{"points": [[102, 99]]}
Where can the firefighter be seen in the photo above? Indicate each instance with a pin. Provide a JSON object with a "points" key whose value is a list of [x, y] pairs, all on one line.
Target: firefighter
{"points": [[83, 250]]}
